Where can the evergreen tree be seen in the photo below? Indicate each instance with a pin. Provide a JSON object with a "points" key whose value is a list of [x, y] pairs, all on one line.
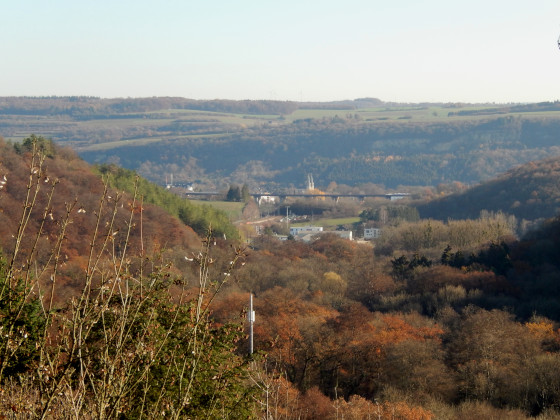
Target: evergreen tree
{"points": [[234, 193]]}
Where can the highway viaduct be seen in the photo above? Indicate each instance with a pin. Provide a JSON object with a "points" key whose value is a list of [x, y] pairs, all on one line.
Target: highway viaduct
{"points": [[283, 195]]}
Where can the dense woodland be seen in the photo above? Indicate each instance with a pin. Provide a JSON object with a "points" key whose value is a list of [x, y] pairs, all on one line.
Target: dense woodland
{"points": [[528, 192], [112, 307]]}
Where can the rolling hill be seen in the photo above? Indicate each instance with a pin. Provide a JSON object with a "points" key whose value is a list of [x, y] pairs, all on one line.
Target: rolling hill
{"points": [[273, 144], [530, 191], [63, 197]]}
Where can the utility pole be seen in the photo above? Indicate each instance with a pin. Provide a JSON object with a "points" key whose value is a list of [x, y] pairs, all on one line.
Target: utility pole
{"points": [[251, 318], [287, 219]]}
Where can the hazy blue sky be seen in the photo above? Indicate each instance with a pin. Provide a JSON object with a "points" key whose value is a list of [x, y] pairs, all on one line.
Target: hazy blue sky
{"points": [[398, 50]]}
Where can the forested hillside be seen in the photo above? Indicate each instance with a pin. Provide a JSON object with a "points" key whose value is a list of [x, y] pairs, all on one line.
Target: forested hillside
{"points": [[456, 331], [529, 192], [350, 152], [199, 216], [165, 228], [275, 144]]}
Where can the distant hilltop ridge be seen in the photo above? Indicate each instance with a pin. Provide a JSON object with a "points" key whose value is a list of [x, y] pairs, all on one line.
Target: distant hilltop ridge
{"points": [[84, 105], [79, 105]]}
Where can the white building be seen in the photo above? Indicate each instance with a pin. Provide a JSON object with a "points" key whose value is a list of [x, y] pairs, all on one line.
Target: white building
{"points": [[372, 233], [304, 230], [311, 233]]}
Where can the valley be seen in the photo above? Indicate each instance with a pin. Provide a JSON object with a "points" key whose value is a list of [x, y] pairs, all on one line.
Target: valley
{"points": [[450, 312]]}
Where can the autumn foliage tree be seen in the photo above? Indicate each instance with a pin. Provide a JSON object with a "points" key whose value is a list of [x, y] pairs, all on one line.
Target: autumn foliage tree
{"points": [[134, 339]]}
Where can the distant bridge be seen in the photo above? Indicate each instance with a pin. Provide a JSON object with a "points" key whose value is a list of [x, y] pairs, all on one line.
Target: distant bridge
{"points": [[283, 195]]}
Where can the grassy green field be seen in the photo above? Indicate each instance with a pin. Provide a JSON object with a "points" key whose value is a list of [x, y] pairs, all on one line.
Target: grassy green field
{"points": [[232, 209], [141, 141], [383, 114]]}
